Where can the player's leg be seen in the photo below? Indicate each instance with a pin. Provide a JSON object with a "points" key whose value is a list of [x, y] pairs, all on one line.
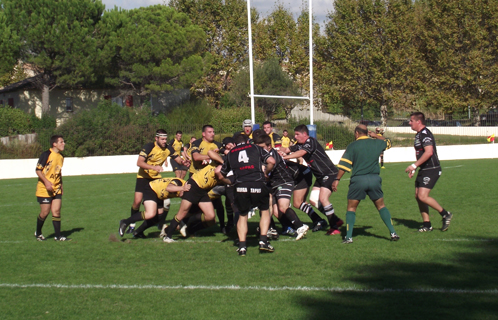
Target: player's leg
{"points": [[328, 210], [140, 185], [385, 215], [56, 218], [44, 212], [202, 220], [350, 219], [185, 206], [423, 196]]}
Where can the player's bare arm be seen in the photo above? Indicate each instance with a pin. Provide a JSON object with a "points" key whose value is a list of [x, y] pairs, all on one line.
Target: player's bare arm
{"points": [[144, 165], [428, 151], [47, 183], [294, 155]]}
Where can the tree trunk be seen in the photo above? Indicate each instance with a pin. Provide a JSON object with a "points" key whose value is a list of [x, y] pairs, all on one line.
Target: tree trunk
{"points": [[45, 98], [383, 115], [475, 117]]}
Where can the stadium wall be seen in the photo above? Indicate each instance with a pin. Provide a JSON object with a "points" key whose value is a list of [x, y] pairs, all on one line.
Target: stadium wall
{"points": [[25, 168]]}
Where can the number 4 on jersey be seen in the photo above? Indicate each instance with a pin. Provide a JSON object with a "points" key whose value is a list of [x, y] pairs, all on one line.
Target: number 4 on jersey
{"points": [[243, 156]]}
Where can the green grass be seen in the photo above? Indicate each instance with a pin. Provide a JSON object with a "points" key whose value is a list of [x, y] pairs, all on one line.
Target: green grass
{"points": [[437, 275]]}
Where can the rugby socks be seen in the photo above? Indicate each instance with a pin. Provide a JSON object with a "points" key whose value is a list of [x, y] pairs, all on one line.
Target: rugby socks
{"points": [[263, 238], [293, 218], [172, 227], [427, 224], [139, 216], [443, 213], [220, 211], [133, 211], [350, 219], [56, 221], [329, 212], [242, 244], [229, 210], [198, 222], [272, 223], [308, 209], [386, 217], [284, 221], [39, 225], [161, 218]]}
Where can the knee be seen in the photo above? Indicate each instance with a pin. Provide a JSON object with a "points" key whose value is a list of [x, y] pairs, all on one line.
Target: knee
{"points": [[314, 197]]}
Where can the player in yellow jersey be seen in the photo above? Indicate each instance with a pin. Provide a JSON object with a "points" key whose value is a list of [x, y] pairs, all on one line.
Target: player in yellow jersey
{"points": [[247, 127], [202, 182], [200, 147], [49, 187], [276, 141], [188, 156], [286, 141], [153, 198], [177, 145], [150, 162]]}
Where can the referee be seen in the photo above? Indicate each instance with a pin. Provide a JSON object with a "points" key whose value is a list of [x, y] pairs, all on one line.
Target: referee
{"points": [[361, 159]]}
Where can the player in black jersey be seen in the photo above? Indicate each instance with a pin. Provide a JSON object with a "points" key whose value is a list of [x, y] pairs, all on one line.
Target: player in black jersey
{"points": [[324, 170], [282, 185], [250, 188], [428, 173]]}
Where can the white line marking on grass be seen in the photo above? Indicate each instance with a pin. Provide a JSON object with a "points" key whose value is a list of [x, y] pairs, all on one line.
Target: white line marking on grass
{"points": [[453, 167], [249, 288], [484, 240], [12, 241]]}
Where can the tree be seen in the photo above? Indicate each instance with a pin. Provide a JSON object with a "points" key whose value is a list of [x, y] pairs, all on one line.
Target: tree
{"points": [[460, 48], [9, 44], [269, 79], [151, 49], [225, 25], [57, 37], [368, 54]]}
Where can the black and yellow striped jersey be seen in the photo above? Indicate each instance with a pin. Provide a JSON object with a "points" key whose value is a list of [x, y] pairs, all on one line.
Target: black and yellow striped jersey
{"points": [[154, 156], [177, 146], [206, 178], [201, 146], [286, 142], [50, 163], [276, 141], [159, 187]]}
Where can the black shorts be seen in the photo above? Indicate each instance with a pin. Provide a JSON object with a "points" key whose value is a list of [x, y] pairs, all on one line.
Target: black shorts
{"points": [[427, 178], [142, 185], [176, 166], [48, 200], [250, 195], [283, 191], [325, 182], [196, 194], [150, 195], [304, 180]]}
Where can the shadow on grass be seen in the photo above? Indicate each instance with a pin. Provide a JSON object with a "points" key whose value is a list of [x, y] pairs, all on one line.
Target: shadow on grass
{"points": [[67, 233], [464, 286], [411, 224]]}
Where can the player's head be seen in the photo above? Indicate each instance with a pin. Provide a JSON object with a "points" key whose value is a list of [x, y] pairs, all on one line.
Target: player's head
{"points": [[241, 138], [228, 143], [161, 138], [301, 133], [57, 142], [208, 133], [192, 139], [360, 131], [417, 121], [247, 126], [263, 141], [267, 127], [178, 135], [285, 133], [256, 133]]}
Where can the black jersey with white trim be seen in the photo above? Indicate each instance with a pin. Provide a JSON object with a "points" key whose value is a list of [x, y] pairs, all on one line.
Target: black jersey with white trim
{"points": [[280, 173], [246, 161], [316, 158], [424, 138]]}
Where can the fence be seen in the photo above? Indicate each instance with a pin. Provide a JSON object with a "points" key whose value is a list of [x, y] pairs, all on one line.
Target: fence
{"points": [[128, 140]]}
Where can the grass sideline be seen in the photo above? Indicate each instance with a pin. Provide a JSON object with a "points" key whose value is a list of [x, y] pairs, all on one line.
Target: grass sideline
{"points": [[444, 275]]}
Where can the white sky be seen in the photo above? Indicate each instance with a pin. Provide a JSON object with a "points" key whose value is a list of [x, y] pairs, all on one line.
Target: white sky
{"points": [[320, 7]]}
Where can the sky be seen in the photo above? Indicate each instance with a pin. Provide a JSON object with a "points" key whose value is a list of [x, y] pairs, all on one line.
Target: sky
{"points": [[320, 7]]}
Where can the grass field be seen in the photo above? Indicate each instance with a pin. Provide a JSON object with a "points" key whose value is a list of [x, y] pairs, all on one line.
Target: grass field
{"points": [[437, 275]]}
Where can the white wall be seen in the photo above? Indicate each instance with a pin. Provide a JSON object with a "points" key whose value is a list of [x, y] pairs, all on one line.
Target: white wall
{"points": [[455, 131], [25, 168]]}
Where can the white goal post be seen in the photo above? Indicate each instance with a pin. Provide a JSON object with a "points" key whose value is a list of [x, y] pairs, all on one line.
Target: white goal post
{"points": [[251, 74]]}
